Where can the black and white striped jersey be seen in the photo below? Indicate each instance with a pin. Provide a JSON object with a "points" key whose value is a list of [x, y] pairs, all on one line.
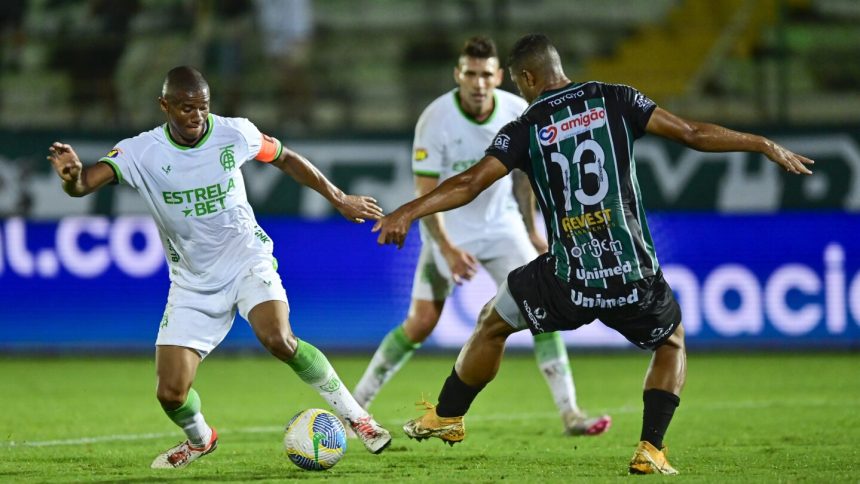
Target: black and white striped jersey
{"points": [[576, 145]]}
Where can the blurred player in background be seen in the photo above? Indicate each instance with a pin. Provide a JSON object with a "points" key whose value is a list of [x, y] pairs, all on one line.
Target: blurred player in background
{"points": [[575, 142], [495, 230], [220, 260]]}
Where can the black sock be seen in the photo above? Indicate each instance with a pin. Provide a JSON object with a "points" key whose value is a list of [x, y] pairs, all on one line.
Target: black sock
{"points": [[659, 408], [456, 397]]}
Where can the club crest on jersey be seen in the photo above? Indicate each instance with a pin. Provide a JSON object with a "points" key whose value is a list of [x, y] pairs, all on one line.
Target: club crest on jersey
{"points": [[420, 154], [228, 161], [572, 126]]}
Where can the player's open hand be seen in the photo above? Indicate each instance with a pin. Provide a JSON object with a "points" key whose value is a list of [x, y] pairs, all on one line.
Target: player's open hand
{"points": [[393, 228], [462, 264], [789, 161], [358, 208], [65, 162]]}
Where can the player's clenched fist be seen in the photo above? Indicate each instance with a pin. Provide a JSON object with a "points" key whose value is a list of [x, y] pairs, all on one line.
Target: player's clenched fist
{"points": [[65, 161], [392, 228]]}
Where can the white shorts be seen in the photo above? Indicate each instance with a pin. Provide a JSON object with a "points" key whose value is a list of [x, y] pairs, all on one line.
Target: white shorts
{"points": [[498, 255], [201, 319]]}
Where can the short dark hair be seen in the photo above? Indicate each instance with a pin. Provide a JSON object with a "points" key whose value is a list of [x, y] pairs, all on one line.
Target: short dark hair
{"points": [[532, 51], [479, 47], [183, 79]]}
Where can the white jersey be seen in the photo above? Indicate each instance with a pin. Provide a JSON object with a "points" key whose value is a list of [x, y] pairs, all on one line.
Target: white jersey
{"points": [[447, 142], [197, 197]]}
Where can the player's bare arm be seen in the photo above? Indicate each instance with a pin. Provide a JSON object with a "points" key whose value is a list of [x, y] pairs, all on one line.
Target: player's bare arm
{"points": [[77, 179], [452, 193], [525, 198], [712, 137], [356, 208], [462, 264]]}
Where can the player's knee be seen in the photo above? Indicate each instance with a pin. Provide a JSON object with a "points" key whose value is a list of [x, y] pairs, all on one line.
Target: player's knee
{"points": [[171, 395], [677, 340], [282, 345], [419, 325], [491, 325]]}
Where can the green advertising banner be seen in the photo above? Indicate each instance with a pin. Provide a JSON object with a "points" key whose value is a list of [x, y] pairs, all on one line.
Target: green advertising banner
{"points": [[672, 177]]}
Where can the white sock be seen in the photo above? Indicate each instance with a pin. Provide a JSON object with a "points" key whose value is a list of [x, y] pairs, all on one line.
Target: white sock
{"points": [[551, 356], [197, 431], [338, 396]]}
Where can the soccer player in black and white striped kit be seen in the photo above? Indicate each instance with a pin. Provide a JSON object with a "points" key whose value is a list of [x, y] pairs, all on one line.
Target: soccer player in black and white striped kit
{"points": [[575, 143]]}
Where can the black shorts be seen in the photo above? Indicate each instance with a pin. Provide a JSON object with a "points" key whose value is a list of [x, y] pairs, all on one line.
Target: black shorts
{"points": [[645, 311]]}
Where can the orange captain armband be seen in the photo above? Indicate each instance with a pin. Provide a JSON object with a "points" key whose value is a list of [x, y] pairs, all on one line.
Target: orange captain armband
{"points": [[270, 149]]}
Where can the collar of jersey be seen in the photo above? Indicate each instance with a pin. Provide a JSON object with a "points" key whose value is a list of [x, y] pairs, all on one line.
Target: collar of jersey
{"points": [[553, 92], [199, 143], [472, 118]]}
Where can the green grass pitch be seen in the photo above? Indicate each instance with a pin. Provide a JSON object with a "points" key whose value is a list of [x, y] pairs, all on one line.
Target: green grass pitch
{"points": [[743, 418]]}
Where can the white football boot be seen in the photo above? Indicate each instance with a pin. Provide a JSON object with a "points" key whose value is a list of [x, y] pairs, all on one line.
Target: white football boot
{"points": [[184, 454], [372, 435]]}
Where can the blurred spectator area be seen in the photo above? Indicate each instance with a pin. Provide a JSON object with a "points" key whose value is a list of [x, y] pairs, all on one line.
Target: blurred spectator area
{"points": [[350, 67]]}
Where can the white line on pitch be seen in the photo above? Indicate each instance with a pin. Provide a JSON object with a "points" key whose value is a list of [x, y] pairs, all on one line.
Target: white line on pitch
{"points": [[129, 437], [394, 424]]}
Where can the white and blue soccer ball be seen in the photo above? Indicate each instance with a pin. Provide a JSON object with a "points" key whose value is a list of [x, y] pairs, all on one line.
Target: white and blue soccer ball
{"points": [[315, 439]]}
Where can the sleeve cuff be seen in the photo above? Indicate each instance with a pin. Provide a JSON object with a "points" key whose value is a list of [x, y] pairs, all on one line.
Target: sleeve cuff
{"points": [[116, 172]]}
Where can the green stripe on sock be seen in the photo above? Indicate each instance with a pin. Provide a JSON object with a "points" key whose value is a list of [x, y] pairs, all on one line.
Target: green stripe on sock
{"points": [[549, 346], [188, 409], [400, 338], [309, 363], [397, 347]]}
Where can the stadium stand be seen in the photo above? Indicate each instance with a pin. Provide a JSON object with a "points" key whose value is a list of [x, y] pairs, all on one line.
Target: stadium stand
{"points": [[369, 66]]}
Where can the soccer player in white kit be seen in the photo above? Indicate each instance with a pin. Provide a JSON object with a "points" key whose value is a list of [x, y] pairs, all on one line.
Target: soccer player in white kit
{"points": [[220, 260], [496, 229]]}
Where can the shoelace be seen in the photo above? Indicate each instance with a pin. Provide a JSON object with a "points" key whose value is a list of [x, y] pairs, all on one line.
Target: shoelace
{"points": [[363, 426], [184, 453], [180, 455], [424, 404]]}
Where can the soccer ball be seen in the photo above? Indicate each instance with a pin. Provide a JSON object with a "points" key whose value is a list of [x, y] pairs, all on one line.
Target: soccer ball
{"points": [[315, 439]]}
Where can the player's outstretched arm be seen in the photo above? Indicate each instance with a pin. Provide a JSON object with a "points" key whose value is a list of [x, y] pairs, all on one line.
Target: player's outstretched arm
{"points": [[711, 137], [77, 179], [356, 208], [452, 193], [462, 264]]}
